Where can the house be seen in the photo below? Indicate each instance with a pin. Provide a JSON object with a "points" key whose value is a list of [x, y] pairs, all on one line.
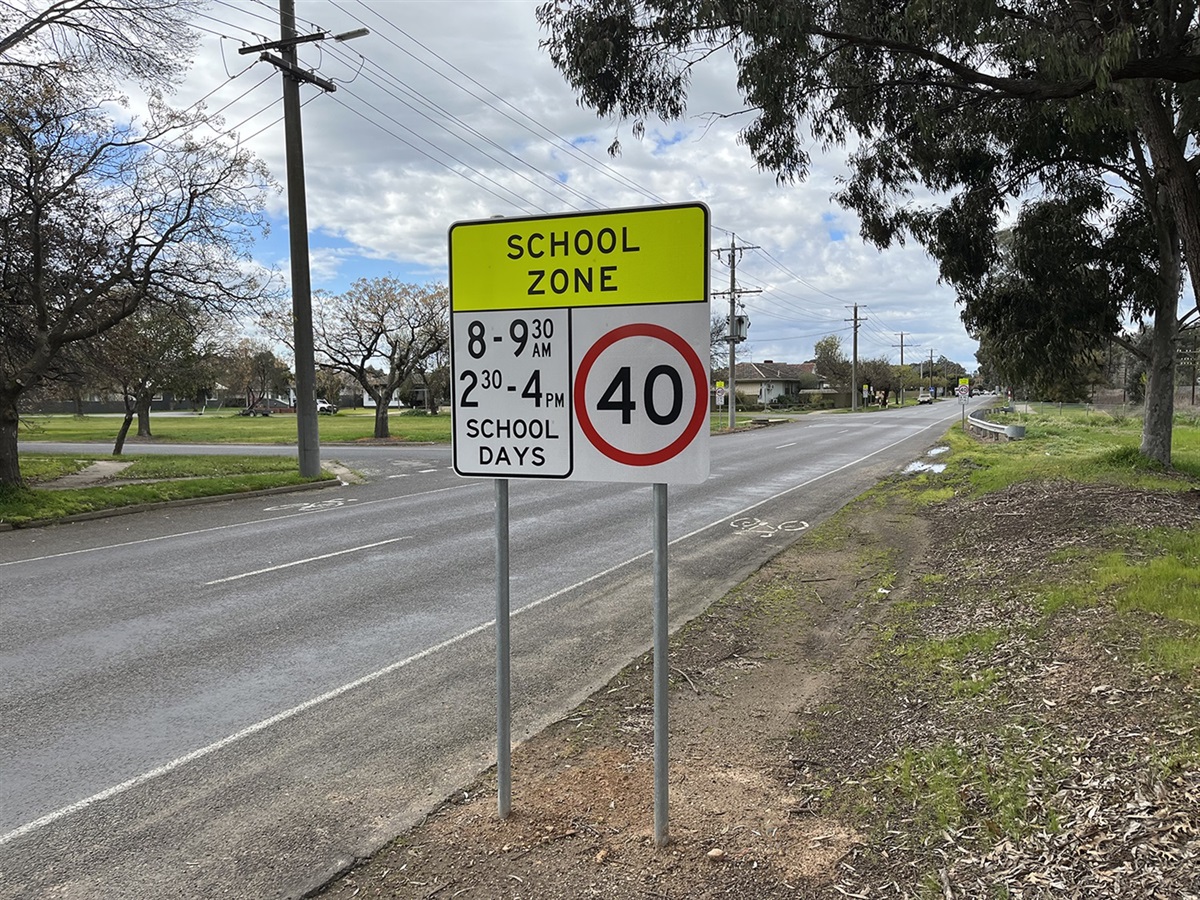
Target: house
{"points": [[769, 382]]}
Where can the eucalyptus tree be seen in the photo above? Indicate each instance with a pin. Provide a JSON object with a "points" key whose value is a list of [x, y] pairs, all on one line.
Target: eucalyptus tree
{"points": [[957, 112]]}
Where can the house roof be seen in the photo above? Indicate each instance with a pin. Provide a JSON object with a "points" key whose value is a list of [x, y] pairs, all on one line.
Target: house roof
{"points": [[769, 370]]}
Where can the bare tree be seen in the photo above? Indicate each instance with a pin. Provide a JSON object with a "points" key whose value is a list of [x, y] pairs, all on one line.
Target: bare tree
{"points": [[98, 39], [718, 341], [381, 332], [95, 217]]}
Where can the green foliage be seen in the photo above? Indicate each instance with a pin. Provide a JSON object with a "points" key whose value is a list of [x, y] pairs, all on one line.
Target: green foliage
{"points": [[833, 364], [1056, 289], [974, 104]]}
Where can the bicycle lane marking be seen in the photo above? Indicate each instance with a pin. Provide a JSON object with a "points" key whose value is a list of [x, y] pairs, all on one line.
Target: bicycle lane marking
{"points": [[760, 528], [314, 505]]}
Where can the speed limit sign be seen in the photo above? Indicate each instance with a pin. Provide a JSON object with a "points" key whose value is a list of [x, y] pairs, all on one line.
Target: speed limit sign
{"points": [[580, 345]]}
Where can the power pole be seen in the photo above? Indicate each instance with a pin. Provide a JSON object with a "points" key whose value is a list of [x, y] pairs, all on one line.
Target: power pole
{"points": [[854, 362], [307, 437], [735, 335], [901, 369], [931, 372]]}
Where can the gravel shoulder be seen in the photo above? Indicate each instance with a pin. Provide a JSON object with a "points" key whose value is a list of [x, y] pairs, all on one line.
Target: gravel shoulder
{"points": [[896, 706]]}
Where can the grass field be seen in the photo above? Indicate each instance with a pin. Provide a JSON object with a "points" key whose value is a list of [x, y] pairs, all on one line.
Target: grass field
{"points": [[226, 427]]}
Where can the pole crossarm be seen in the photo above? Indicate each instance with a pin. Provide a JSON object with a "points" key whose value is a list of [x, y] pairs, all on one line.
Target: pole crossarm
{"points": [[283, 43], [303, 75]]}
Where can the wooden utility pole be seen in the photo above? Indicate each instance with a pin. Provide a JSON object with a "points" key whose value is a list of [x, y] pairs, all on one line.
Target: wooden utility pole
{"points": [[307, 437], [731, 329], [854, 362]]}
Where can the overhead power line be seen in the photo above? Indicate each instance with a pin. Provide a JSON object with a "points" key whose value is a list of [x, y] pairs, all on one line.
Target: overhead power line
{"points": [[775, 302]]}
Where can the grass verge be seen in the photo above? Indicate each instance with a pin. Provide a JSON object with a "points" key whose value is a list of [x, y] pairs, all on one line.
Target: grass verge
{"points": [[175, 478], [1000, 692]]}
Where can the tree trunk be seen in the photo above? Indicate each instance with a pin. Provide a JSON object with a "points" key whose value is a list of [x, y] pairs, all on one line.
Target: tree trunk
{"points": [[1179, 225], [1159, 418], [143, 413], [381, 415], [123, 433], [1171, 167], [10, 463]]}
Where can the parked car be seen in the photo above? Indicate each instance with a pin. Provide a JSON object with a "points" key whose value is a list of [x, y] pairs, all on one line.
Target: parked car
{"points": [[265, 408], [924, 397], [325, 408]]}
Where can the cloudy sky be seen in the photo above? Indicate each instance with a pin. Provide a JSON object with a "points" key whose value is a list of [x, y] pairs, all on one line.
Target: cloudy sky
{"points": [[448, 111]]}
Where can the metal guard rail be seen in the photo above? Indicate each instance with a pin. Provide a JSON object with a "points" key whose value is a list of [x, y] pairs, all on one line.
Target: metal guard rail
{"points": [[1009, 432]]}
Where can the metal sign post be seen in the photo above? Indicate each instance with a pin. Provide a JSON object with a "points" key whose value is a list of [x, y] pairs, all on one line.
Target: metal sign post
{"points": [[661, 668], [503, 680], [579, 350]]}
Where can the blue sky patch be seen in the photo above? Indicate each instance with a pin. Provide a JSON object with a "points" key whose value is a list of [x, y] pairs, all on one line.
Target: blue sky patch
{"points": [[835, 234]]}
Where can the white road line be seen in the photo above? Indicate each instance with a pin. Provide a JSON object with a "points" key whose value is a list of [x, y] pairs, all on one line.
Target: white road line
{"points": [[252, 522], [300, 562], [425, 471], [108, 793], [262, 725], [785, 446]]}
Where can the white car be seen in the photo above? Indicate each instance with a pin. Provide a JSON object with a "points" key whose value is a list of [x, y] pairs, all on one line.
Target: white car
{"points": [[325, 408], [924, 397]]}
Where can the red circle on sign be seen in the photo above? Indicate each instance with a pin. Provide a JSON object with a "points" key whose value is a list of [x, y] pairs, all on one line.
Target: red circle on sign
{"points": [[642, 329]]}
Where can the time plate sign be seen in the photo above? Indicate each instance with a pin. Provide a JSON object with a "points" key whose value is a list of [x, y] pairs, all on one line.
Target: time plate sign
{"points": [[580, 345]]}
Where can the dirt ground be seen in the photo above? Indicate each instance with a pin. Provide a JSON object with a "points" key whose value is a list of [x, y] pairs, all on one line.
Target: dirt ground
{"points": [[813, 726]]}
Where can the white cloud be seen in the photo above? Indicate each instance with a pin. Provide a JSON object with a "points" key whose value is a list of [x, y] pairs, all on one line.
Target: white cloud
{"points": [[385, 180]]}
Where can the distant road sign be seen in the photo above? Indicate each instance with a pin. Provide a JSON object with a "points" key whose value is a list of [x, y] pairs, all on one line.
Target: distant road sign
{"points": [[580, 345]]}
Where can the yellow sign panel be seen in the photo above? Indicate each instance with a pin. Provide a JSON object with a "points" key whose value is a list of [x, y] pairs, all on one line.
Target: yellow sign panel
{"points": [[631, 256]]}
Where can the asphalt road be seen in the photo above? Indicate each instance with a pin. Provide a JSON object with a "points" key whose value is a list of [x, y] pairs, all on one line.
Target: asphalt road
{"points": [[237, 699]]}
